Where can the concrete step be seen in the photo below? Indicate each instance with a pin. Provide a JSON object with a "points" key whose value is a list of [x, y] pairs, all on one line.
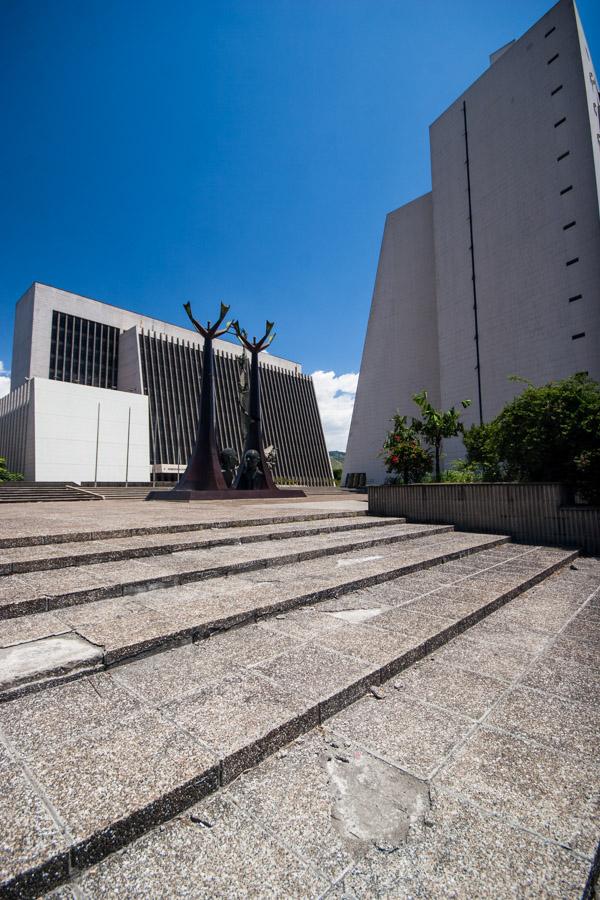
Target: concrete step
{"points": [[25, 492], [109, 757], [17, 560], [471, 774], [43, 591], [67, 497], [46, 648], [127, 493], [37, 539]]}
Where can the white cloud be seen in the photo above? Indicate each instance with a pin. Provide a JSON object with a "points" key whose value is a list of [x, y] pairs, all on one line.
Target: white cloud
{"points": [[335, 396], [4, 380]]}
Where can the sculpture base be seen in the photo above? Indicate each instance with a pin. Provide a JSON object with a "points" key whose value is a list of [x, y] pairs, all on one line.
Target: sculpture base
{"points": [[186, 496]]}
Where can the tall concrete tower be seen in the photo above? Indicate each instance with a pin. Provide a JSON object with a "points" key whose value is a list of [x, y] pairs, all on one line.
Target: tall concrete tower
{"points": [[496, 272]]}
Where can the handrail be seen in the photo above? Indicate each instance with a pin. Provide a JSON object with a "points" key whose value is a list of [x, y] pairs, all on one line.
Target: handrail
{"points": [[76, 487]]}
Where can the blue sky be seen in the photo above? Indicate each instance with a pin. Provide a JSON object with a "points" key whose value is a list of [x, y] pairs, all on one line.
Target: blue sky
{"points": [[244, 150]]}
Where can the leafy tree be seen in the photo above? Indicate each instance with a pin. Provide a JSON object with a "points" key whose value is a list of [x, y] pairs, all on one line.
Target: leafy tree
{"points": [[402, 452], [5, 475], [436, 425], [482, 452], [548, 433]]}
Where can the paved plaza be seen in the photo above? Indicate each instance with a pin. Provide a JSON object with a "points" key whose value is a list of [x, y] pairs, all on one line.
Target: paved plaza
{"points": [[292, 698]]}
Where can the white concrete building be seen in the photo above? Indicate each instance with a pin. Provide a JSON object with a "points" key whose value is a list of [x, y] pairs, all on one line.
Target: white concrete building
{"points": [[496, 271], [100, 394]]}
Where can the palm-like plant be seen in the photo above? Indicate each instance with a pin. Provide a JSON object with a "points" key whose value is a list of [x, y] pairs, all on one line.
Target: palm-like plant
{"points": [[435, 425]]}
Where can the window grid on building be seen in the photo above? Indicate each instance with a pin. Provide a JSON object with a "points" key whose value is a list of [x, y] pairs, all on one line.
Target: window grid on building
{"points": [[83, 352]]}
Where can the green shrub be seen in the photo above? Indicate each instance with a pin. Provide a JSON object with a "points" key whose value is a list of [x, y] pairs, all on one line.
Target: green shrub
{"points": [[5, 475], [460, 472], [402, 453], [548, 433]]}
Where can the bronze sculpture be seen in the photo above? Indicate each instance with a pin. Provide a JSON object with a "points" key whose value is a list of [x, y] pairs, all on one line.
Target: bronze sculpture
{"points": [[211, 475], [229, 463], [244, 389], [254, 473], [203, 472]]}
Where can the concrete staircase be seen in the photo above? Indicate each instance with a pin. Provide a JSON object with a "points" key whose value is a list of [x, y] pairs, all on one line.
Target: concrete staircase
{"points": [[125, 492], [150, 669], [41, 492]]}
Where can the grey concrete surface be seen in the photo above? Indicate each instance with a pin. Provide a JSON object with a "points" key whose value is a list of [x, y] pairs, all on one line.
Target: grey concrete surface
{"points": [[401, 796], [121, 754]]}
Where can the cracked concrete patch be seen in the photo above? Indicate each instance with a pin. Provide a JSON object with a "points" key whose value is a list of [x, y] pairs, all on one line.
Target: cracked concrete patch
{"points": [[53, 655], [358, 616], [373, 802]]}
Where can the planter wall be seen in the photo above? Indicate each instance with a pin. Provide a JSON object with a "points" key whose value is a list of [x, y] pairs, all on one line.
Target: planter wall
{"points": [[530, 513]]}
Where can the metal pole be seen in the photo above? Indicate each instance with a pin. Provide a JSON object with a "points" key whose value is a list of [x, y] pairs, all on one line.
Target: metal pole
{"points": [[178, 422], [472, 250], [154, 427], [97, 442], [127, 458]]}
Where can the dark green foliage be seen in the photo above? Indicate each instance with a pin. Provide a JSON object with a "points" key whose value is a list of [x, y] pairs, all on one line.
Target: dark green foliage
{"points": [[460, 472], [5, 475], [403, 454], [436, 425], [482, 452], [548, 433]]}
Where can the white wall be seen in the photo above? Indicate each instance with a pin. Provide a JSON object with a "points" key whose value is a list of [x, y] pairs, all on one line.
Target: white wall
{"points": [[424, 283], [400, 353], [66, 417], [526, 322]]}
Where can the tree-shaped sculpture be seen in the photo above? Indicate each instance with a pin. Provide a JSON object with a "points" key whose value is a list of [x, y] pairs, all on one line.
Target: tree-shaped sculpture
{"points": [[203, 471], [253, 472]]}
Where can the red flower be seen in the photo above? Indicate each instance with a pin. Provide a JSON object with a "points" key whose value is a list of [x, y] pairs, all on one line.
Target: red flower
{"points": [[394, 459]]}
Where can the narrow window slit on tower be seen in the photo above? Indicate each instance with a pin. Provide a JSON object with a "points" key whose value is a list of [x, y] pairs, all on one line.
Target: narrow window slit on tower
{"points": [[576, 297], [566, 190], [552, 58], [571, 262], [556, 90], [568, 225], [560, 121], [548, 33], [562, 155], [575, 337]]}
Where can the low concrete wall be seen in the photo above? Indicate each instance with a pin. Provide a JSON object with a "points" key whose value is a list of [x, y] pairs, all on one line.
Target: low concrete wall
{"points": [[531, 513]]}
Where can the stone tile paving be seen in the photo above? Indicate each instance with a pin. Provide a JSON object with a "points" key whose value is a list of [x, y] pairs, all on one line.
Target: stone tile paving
{"points": [[558, 723], [31, 520], [30, 628], [408, 793], [119, 724], [34, 835], [216, 850], [100, 579], [413, 735], [459, 690], [151, 619], [203, 533]]}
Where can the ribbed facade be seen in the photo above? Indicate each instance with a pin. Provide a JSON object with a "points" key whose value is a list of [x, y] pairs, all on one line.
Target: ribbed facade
{"points": [[14, 420], [83, 352], [172, 375]]}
